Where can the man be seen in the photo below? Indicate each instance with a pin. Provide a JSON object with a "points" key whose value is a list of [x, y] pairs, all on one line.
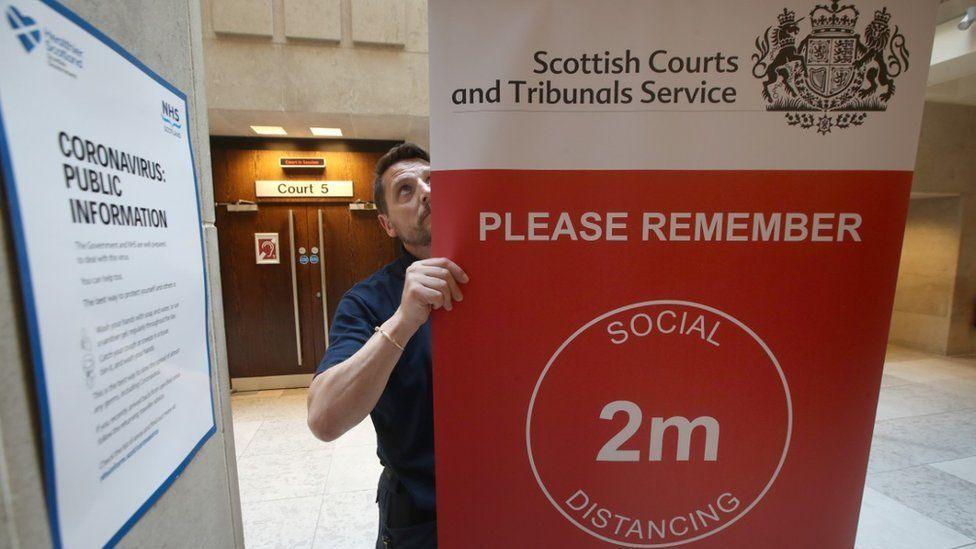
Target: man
{"points": [[379, 357]]}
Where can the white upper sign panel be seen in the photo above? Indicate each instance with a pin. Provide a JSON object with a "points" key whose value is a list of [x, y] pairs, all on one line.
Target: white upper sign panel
{"points": [[297, 188], [797, 85]]}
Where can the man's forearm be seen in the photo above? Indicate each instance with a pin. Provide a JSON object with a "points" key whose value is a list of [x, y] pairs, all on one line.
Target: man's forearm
{"points": [[343, 395]]}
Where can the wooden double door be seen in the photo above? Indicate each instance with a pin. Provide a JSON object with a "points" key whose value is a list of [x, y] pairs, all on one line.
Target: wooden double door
{"points": [[277, 314]]}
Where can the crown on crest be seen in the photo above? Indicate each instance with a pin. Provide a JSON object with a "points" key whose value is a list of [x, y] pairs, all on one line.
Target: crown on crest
{"points": [[882, 16], [834, 18], [788, 17]]}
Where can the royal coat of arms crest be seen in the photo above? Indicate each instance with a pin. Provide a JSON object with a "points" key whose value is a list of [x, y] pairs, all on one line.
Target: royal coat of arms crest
{"points": [[834, 76]]}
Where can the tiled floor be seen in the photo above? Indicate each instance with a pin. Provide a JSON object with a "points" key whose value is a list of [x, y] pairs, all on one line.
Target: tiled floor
{"points": [[921, 489], [297, 491], [921, 485]]}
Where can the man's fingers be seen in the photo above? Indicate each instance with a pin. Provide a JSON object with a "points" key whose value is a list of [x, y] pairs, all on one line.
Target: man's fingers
{"points": [[444, 273], [441, 285], [446, 263], [458, 272], [440, 275], [431, 297], [454, 289]]}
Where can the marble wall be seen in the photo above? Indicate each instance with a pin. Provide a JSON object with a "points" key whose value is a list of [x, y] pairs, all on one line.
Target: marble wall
{"points": [[202, 507], [935, 302]]}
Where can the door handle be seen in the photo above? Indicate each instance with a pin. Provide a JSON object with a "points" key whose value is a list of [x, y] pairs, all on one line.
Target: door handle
{"points": [[323, 294], [294, 285]]}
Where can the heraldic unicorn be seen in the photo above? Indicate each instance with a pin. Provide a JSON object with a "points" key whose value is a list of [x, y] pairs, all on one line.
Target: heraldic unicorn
{"points": [[834, 76]]}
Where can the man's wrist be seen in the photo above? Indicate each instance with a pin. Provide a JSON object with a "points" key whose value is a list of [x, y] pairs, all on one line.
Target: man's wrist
{"points": [[399, 328]]}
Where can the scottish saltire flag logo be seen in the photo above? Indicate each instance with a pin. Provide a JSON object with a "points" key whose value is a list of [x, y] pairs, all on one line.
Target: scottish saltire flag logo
{"points": [[25, 27]]}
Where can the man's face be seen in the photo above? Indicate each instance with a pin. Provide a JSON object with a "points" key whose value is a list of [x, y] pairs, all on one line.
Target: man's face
{"points": [[406, 187]]}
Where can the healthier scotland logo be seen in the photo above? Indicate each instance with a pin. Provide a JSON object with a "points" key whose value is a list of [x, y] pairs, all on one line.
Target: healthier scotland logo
{"points": [[63, 53], [25, 27]]}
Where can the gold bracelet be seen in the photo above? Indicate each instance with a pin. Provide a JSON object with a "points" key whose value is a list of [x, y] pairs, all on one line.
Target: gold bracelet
{"points": [[389, 338]]}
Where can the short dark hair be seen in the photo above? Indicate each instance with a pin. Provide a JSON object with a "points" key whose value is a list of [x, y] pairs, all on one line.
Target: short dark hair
{"points": [[403, 151]]}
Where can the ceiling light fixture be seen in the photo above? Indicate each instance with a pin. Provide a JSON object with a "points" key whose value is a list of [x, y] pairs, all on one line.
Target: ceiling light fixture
{"points": [[269, 130], [326, 132], [967, 20]]}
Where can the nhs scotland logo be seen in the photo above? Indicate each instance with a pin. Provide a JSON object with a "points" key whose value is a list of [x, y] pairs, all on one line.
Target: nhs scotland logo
{"points": [[25, 27], [171, 119]]}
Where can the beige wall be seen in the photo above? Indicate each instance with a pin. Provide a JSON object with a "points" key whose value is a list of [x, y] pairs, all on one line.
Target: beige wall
{"points": [[201, 508], [360, 65], [936, 294], [926, 275]]}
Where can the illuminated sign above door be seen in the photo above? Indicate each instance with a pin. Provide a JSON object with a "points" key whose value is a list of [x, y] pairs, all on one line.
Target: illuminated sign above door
{"points": [[303, 189], [308, 163]]}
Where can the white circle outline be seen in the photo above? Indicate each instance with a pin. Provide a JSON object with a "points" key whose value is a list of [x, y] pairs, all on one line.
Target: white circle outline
{"points": [[737, 322]]}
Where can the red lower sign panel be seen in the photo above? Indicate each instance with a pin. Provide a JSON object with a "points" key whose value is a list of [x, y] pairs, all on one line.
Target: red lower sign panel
{"points": [[667, 359]]}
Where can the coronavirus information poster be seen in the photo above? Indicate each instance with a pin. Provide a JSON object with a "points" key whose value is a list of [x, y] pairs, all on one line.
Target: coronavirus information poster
{"points": [[100, 184], [682, 223]]}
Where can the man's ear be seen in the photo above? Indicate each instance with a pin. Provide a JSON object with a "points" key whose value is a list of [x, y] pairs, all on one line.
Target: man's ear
{"points": [[387, 226]]}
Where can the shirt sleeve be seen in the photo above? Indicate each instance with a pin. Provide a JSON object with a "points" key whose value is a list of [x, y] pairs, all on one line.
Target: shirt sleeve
{"points": [[351, 327]]}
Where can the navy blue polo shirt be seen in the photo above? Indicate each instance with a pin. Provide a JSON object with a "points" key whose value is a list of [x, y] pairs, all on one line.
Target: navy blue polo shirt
{"points": [[404, 415]]}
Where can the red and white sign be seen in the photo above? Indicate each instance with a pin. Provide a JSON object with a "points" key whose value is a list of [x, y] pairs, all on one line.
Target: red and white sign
{"points": [[670, 354], [302, 162], [682, 223], [266, 249]]}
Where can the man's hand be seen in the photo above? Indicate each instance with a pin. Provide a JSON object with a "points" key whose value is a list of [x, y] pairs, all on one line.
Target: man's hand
{"points": [[430, 284], [343, 395]]}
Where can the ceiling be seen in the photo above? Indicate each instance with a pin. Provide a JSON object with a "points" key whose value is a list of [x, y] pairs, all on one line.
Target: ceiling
{"points": [[952, 75], [952, 9], [297, 124]]}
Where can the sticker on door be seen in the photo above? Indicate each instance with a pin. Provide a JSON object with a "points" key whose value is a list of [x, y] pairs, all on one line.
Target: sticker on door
{"points": [[266, 248]]}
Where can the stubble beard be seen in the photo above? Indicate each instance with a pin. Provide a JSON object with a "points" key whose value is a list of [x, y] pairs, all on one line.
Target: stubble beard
{"points": [[420, 235]]}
